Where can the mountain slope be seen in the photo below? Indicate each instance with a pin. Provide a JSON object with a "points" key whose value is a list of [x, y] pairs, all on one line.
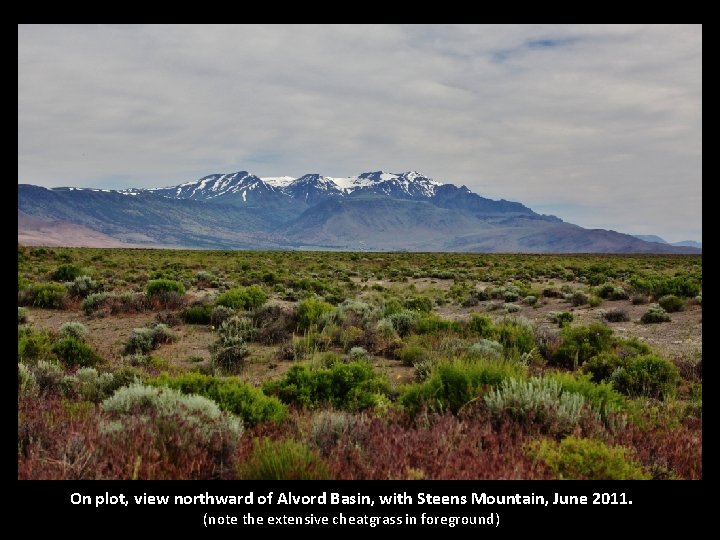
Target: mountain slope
{"points": [[374, 210]]}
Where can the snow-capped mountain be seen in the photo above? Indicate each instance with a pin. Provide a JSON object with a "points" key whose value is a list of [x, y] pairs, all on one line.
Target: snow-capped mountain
{"points": [[373, 210], [235, 188]]}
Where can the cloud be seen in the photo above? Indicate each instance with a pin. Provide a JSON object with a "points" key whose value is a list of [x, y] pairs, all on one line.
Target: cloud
{"points": [[601, 125]]}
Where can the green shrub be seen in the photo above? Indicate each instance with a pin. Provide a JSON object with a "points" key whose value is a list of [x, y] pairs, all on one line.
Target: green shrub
{"points": [[454, 384], [486, 348], [358, 354], [162, 287], [43, 295], [243, 298], [412, 354], [90, 385], [48, 375], [230, 393], [27, 384], [403, 322], [22, 315], [431, 323], [179, 421], [579, 298], [538, 400], [601, 397], [82, 286], [74, 352], [282, 460], [94, 302], [351, 386], [66, 272], [672, 303], [648, 376], [580, 343], [144, 340], [561, 318], [512, 308], [602, 366], [654, 315], [530, 300], [198, 314], [585, 459], [594, 301], [393, 305], [516, 335], [236, 330], [310, 312], [34, 345], [423, 304], [73, 329], [481, 325], [230, 358]]}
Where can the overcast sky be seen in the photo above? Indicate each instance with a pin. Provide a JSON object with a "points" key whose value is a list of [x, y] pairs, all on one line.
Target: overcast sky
{"points": [[600, 125]]}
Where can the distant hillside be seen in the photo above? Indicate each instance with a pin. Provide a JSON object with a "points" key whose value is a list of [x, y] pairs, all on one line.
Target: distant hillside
{"points": [[655, 238], [371, 211]]}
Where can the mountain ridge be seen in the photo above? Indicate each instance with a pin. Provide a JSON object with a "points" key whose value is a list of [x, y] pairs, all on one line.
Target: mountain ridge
{"points": [[374, 210]]}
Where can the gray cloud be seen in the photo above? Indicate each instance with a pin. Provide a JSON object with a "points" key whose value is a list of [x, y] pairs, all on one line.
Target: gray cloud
{"points": [[601, 125]]}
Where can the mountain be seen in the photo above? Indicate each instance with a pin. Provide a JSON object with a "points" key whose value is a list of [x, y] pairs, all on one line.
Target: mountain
{"points": [[655, 238], [372, 211]]}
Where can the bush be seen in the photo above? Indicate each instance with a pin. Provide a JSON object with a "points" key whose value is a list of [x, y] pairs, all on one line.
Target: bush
{"points": [[602, 366], [282, 460], [163, 287], [82, 286], [231, 358], [144, 340], [423, 304], [358, 354], [672, 303], [403, 322], [198, 314], [654, 315], [512, 308], [616, 315], [43, 295], [481, 325], [516, 335], [648, 376], [243, 298], [310, 312], [602, 398], [235, 330], [580, 343], [27, 384], [454, 384], [486, 348], [230, 393], [66, 272], [579, 298], [73, 329], [585, 459], [561, 318], [34, 345], [530, 300], [351, 386], [22, 315], [220, 314], [94, 302], [594, 301], [328, 427], [611, 292], [89, 385], [538, 400], [74, 352], [179, 420], [412, 354]]}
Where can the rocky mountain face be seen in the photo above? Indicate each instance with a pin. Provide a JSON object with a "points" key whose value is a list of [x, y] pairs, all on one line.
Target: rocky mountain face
{"points": [[371, 211]]}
